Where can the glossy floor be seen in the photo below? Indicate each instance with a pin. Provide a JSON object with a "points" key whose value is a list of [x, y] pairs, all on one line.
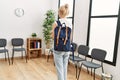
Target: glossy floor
{"points": [[35, 69]]}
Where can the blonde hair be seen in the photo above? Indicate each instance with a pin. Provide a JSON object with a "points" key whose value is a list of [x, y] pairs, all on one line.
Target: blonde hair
{"points": [[63, 10]]}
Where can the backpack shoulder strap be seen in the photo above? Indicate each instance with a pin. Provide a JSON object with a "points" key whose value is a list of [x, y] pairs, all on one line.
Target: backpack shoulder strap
{"points": [[58, 34], [59, 23], [66, 36]]}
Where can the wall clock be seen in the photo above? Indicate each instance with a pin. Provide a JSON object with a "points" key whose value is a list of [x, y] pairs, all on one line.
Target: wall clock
{"points": [[19, 12]]}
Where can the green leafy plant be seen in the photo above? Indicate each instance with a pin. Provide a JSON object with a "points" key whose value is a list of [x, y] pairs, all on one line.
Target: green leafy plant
{"points": [[47, 25], [34, 35]]}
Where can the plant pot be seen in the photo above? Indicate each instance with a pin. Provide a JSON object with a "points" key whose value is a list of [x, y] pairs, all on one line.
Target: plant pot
{"points": [[48, 46]]}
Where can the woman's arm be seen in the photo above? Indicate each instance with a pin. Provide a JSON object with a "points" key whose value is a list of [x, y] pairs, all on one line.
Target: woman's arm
{"points": [[52, 32]]}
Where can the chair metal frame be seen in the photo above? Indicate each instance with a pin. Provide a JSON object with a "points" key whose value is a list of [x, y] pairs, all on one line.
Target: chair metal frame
{"points": [[3, 43], [82, 50], [96, 54], [17, 44], [49, 53]]}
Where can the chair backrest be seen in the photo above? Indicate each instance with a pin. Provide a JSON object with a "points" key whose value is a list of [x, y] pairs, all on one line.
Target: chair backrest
{"points": [[3, 42], [83, 50], [17, 41], [74, 46], [98, 54]]}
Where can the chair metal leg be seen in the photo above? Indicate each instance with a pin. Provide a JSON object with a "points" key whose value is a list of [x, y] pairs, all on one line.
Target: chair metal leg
{"points": [[26, 56], [48, 57], [94, 74], [22, 55], [8, 58], [79, 71], [87, 70], [102, 70], [5, 56], [91, 71], [12, 56], [76, 70]]}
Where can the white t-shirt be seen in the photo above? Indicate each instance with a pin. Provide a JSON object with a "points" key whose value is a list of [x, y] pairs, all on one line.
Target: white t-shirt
{"points": [[64, 20]]}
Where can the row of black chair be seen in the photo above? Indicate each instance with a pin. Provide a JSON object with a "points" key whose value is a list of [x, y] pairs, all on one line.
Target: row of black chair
{"points": [[17, 44], [97, 54], [82, 50]]}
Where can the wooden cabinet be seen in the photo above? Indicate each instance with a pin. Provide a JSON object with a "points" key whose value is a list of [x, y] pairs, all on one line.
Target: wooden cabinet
{"points": [[34, 47]]}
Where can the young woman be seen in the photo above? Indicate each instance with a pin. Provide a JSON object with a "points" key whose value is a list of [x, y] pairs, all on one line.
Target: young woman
{"points": [[61, 57]]}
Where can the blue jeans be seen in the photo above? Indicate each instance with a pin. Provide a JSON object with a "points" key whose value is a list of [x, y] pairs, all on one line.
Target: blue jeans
{"points": [[61, 63]]}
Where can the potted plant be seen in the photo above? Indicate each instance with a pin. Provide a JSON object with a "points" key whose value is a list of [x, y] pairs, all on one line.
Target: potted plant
{"points": [[47, 26], [34, 35]]}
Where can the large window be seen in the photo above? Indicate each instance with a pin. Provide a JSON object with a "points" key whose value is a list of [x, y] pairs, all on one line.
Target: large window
{"points": [[104, 26], [71, 9]]}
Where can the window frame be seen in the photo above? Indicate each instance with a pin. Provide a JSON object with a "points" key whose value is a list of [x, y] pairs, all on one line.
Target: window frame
{"points": [[117, 31]]}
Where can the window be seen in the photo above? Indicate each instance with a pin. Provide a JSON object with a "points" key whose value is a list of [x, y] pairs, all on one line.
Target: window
{"points": [[71, 9], [104, 26]]}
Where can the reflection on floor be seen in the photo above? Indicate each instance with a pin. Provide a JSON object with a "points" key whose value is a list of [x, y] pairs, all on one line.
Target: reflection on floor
{"points": [[35, 69]]}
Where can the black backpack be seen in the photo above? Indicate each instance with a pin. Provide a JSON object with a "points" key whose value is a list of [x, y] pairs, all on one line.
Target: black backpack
{"points": [[62, 37]]}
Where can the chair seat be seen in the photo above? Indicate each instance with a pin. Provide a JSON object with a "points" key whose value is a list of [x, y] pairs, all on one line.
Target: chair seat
{"points": [[17, 44], [18, 49], [51, 50], [91, 64], [76, 58], [3, 50]]}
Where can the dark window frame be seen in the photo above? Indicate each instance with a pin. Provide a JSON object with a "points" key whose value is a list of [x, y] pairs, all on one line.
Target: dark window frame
{"points": [[116, 36]]}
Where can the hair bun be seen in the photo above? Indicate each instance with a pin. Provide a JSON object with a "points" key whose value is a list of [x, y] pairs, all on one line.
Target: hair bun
{"points": [[66, 6]]}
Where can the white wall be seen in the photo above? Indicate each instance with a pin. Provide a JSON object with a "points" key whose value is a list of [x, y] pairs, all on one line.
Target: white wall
{"points": [[80, 35], [12, 26], [81, 21], [54, 6]]}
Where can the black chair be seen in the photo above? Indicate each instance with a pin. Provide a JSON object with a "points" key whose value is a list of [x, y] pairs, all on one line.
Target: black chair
{"points": [[97, 54], [17, 44], [3, 43], [82, 51], [49, 53]]}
